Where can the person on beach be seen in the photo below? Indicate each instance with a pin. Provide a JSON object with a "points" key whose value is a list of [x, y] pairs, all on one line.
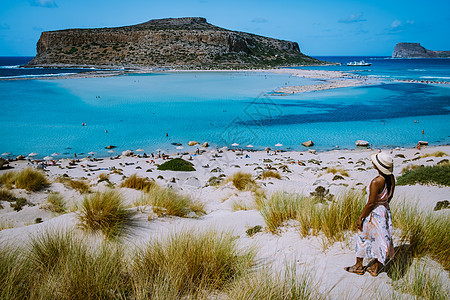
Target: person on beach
{"points": [[374, 239]]}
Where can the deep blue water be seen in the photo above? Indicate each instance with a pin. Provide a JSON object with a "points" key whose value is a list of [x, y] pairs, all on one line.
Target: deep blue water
{"points": [[137, 110], [394, 68]]}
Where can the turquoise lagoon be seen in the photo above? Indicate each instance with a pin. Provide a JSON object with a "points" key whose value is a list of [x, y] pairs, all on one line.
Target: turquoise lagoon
{"points": [[138, 110]]}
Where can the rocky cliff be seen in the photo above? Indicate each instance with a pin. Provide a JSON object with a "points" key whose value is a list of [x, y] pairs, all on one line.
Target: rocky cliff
{"points": [[415, 50], [176, 43]]}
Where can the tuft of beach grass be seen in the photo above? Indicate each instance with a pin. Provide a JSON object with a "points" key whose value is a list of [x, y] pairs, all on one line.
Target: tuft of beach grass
{"points": [[55, 203], [242, 181], [105, 212], [168, 201], [79, 185], [191, 261], [138, 183]]}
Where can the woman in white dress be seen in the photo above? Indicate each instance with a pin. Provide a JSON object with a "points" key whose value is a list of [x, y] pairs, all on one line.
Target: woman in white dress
{"points": [[374, 239]]}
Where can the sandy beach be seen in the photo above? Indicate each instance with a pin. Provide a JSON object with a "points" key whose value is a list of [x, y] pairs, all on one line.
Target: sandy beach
{"points": [[301, 173]]}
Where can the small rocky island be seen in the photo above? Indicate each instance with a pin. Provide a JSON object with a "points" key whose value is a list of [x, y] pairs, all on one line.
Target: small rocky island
{"points": [[415, 50], [180, 43]]}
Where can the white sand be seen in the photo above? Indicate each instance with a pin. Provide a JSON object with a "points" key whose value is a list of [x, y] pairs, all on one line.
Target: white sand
{"points": [[275, 250]]}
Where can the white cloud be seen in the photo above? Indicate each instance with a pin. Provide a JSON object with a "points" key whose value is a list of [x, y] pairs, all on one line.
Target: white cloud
{"points": [[398, 26], [354, 18], [44, 3]]}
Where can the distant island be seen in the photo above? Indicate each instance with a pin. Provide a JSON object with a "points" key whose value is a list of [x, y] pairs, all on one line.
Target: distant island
{"points": [[180, 43], [415, 50]]}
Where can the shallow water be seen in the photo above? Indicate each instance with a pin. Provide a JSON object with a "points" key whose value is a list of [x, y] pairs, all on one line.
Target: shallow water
{"points": [[46, 116]]}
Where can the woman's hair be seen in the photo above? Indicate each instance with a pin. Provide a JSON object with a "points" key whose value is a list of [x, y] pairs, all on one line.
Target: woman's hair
{"points": [[388, 179]]}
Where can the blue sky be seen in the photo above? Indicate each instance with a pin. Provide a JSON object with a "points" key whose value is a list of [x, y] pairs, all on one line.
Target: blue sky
{"points": [[321, 27]]}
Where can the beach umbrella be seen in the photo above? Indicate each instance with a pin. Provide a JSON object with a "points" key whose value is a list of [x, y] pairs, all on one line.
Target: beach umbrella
{"points": [[48, 158], [140, 150], [32, 154], [6, 154], [91, 153], [235, 144], [278, 145], [55, 154], [180, 147], [249, 146]]}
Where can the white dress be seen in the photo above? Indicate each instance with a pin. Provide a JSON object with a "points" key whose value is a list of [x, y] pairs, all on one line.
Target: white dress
{"points": [[375, 240]]}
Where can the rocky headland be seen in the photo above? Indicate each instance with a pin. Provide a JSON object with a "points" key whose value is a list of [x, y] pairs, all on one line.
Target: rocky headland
{"points": [[183, 43], [415, 50]]}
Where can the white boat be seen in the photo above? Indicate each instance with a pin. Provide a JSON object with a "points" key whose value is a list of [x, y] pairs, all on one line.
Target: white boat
{"points": [[358, 64]]}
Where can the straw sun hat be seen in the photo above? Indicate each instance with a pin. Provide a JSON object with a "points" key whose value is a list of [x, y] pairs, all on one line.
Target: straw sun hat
{"points": [[383, 162]]}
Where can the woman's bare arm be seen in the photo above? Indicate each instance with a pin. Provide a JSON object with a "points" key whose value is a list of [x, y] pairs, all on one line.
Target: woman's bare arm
{"points": [[375, 186]]}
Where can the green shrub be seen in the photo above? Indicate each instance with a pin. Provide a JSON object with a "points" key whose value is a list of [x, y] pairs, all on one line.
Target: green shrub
{"points": [[104, 212], [30, 180], [190, 262], [253, 230], [18, 204], [176, 164], [434, 175]]}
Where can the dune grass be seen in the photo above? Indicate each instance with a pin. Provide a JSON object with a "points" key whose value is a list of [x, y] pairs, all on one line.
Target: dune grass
{"points": [[280, 207], [138, 183], [423, 283], [433, 175], [105, 212], [79, 185], [333, 219], [6, 195], [14, 282], [29, 179], [169, 202], [7, 179], [426, 233], [434, 154], [270, 174], [190, 262], [241, 205], [55, 203], [242, 181], [335, 170], [267, 284]]}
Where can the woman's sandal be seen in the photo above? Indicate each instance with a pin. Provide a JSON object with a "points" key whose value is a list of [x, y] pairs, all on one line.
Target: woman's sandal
{"points": [[373, 272], [357, 270]]}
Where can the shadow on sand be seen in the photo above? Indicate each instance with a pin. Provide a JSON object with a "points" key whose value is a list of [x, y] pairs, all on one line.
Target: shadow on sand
{"points": [[398, 266]]}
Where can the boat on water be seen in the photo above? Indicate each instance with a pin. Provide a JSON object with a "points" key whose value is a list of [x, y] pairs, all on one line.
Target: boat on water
{"points": [[358, 64]]}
